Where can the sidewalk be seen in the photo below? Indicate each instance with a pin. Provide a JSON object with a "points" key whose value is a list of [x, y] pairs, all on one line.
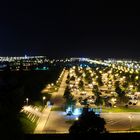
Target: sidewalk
{"points": [[43, 120]]}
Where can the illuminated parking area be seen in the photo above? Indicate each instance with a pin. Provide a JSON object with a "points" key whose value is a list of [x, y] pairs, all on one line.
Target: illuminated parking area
{"points": [[89, 79]]}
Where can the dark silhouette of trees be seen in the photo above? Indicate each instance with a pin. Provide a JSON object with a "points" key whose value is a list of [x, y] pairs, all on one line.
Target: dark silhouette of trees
{"points": [[72, 78], [70, 101], [99, 100], [88, 77], [77, 72], [118, 90], [88, 124], [99, 79], [95, 89], [11, 101], [81, 84], [122, 98]]}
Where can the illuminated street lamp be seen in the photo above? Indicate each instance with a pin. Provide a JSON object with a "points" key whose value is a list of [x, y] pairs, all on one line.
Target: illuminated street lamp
{"points": [[137, 77], [44, 98], [113, 99], [27, 100], [131, 87], [76, 118]]}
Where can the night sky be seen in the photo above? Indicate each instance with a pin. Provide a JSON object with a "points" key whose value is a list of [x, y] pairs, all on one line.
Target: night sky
{"points": [[69, 29]]}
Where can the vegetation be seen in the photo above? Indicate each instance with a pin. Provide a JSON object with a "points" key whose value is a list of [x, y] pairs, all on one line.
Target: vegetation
{"points": [[81, 85], [88, 124], [70, 121], [122, 98], [99, 100], [28, 126], [15, 87], [54, 108], [120, 109], [11, 101], [69, 99]]}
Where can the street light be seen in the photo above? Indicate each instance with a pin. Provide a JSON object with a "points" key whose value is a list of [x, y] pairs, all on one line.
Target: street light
{"points": [[76, 118], [43, 100], [27, 100], [130, 119]]}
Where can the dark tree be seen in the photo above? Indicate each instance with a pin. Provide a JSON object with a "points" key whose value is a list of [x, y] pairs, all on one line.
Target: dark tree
{"points": [[72, 78], [81, 84], [118, 90], [95, 89], [11, 101], [117, 83], [122, 98], [88, 124], [66, 93], [69, 99], [99, 100]]}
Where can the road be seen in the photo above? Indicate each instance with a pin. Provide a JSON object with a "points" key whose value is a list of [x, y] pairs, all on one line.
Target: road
{"points": [[121, 121], [57, 97], [54, 121], [57, 123]]}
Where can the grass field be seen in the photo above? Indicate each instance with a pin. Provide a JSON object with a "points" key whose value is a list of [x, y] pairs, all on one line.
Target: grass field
{"points": [[27, 125], [70, 121], [120, 109], [57, 109]]}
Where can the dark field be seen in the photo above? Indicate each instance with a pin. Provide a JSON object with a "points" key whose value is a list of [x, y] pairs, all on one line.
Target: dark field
{"points": [[15, 87]]}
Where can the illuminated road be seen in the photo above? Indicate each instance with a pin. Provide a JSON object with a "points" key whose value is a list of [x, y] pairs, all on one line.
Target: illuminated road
{"points": [[57, 97], [121, 121], [57, 123], [54, 120]]}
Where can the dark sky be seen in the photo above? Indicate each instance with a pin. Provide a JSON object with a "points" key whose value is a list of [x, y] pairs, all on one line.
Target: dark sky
{"points": [[69, 29]]}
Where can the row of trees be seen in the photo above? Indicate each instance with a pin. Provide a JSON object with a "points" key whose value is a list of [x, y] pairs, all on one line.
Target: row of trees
{"points": [[70, 101]]}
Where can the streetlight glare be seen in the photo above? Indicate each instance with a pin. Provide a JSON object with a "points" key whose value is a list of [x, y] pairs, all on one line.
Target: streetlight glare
{"points": [[44, 97], [77, 118], [27, 99]]}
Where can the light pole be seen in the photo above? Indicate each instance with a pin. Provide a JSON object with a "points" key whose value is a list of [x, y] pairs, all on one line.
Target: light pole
{"points": [[27, 100], [130, 120], [44, 100]]}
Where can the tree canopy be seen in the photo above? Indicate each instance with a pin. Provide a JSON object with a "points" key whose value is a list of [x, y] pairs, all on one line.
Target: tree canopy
{"points": [[88, 124]]}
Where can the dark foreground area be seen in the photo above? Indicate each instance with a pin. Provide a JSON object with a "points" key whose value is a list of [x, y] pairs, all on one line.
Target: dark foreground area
{"points": [[15, 87], [109, 136], [112, 136]]}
